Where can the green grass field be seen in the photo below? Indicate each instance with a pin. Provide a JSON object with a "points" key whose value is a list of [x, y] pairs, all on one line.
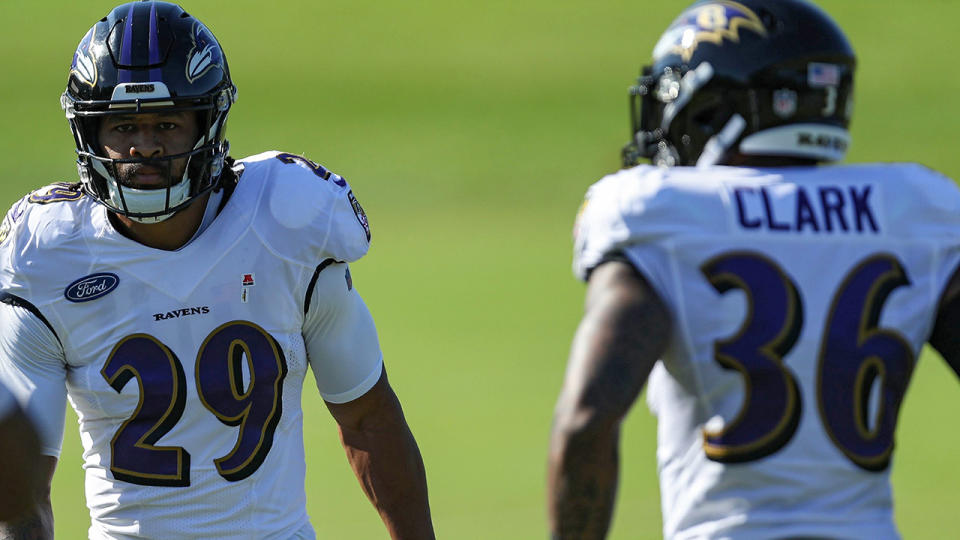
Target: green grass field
{"points": [[470, 131]]}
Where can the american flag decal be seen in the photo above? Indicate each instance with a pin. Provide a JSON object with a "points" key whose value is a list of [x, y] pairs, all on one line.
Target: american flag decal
{"points": [[820, 75]]}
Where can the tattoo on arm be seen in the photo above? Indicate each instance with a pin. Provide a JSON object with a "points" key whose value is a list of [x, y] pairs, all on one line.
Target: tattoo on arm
{"points": [[36, 526], [585, 497], [623, 333], [25, 529]]}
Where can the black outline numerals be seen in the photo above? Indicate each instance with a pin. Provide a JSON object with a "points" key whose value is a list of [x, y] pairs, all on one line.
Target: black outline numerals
{"points": [[317, 169], [56, 192], [858, 364], [858, 358], [135, 457], [769, 331], [255, 407]]}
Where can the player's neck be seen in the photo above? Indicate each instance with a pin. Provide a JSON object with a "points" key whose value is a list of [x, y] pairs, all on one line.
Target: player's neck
{"points": [[170, 234]]}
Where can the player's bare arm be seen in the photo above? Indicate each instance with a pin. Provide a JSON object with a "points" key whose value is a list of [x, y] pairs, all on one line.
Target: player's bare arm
{"points": [[26, 436], [19, 476], [147, 100], [946, 337], [624, 331], [35, 521], [386, 460]]}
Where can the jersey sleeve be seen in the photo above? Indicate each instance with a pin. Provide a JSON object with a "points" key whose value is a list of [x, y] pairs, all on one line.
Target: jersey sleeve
{"points": [[596, 231], [621, 210], [936, 217], [349, 228], [636, 215], [310, 213], [341, 339], [33, 368], [626, 213]]}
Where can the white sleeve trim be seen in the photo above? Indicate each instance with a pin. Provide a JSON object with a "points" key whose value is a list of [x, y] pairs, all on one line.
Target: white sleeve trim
{"points": [[358, 390], [340, 337]]}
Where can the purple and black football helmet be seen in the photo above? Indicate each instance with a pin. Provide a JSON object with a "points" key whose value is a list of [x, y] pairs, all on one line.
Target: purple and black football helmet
{"points": [[149, 57], [770, 78]]}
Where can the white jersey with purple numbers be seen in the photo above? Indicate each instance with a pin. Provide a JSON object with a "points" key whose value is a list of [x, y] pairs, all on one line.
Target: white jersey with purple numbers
{"points": [[186, 367], [801, 298]]}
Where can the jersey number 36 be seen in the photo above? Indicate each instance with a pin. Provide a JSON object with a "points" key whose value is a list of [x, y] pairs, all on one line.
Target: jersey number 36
{"points": [[856, 359]]}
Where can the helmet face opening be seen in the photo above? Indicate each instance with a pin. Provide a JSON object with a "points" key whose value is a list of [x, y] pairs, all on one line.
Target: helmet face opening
{"points": [[765, 78], [144, 58]]}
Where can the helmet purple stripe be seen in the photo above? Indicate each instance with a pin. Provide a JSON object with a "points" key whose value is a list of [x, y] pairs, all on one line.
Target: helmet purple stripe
{"points": [[155, 73], [149, 42], [126, 50]]}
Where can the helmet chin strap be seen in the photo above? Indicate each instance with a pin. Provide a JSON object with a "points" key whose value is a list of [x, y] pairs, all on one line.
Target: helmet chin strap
{"points": [[145, 200], [149, 200], [129, 200], [718, 145]]}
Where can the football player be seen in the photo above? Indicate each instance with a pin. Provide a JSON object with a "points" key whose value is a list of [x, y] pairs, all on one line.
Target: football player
{"points": [[177, 297], [773, 308], [21, 470]]}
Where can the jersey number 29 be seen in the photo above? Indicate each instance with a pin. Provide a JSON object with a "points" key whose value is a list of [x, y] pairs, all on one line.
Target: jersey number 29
{"points": [[256, 408]]}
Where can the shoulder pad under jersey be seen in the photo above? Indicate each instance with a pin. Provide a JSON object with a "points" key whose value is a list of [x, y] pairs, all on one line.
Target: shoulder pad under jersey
{"points": [[308, 212]]}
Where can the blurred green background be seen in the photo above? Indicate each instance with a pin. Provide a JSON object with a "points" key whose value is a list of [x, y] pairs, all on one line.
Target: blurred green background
{"points": [[470, 131]]}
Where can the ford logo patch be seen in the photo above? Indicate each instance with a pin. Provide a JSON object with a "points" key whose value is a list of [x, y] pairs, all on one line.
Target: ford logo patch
{"points": [[91, 287]]}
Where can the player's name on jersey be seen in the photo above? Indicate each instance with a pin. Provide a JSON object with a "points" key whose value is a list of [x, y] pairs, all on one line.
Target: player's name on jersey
{"points": [[807, 209]]}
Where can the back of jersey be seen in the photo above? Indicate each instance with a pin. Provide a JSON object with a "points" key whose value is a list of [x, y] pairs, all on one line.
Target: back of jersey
{"points": [[801, 299]]}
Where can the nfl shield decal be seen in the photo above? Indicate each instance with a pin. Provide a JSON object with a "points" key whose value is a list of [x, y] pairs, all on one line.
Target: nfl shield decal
{"points": [[91, 287], [785, 103]]}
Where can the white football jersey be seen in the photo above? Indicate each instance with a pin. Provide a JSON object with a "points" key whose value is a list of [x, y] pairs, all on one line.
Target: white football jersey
{"points": [[801, 298], [186, 367]]}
